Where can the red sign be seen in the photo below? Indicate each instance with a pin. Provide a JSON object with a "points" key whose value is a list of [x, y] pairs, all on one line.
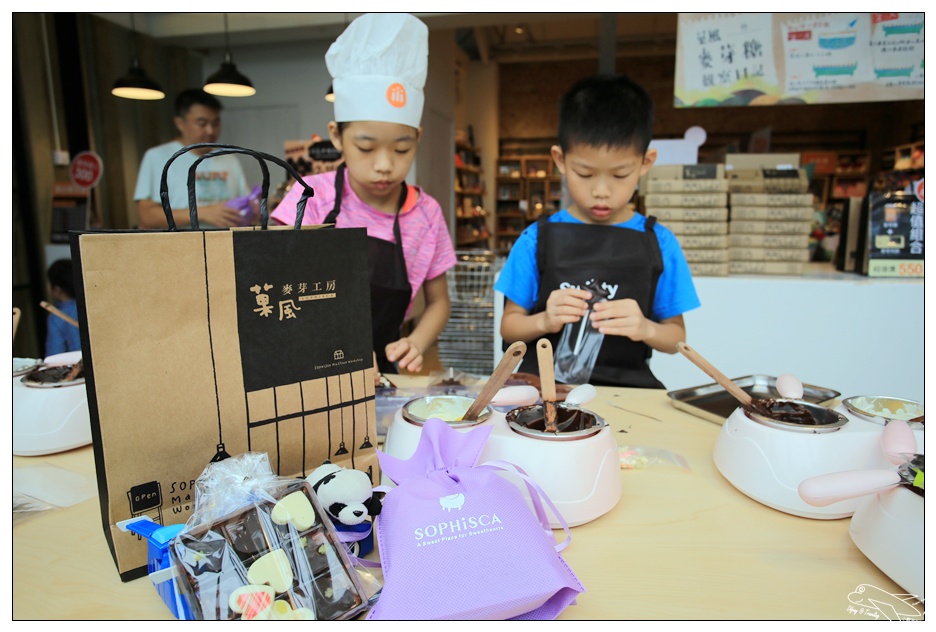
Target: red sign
{"points": [[86, 169], [877, 18], [919, 189], [799, 35]]}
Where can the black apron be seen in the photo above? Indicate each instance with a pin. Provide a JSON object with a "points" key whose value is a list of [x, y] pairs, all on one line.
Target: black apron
{"points": [[389, 285], [574, 253]]}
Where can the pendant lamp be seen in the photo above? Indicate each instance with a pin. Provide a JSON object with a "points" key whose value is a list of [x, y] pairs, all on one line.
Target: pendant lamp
{"points": [[227, 82], [136, 84]]}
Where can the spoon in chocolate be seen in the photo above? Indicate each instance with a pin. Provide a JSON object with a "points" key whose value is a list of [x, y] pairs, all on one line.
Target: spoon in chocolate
{"points": [[760, 406], [502, 371], [544, 356]]}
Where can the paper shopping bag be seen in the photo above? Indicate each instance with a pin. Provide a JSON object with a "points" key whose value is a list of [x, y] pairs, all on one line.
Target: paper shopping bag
{"points": [[199, 344]]}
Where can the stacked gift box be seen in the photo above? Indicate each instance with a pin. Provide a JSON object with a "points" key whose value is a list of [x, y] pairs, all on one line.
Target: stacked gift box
{"points": [[771, 216], [692, 201]]}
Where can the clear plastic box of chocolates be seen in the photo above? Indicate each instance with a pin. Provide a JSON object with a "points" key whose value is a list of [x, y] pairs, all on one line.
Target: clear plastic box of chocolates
{"points": [[275, 558]]}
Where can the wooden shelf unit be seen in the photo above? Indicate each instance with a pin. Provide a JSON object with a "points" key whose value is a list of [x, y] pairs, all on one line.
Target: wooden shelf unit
{"points": [[471, 218], [527, 187], [837, 175]]}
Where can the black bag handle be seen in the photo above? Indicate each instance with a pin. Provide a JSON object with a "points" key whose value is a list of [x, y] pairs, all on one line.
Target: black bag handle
{"points": [[219, 150]]}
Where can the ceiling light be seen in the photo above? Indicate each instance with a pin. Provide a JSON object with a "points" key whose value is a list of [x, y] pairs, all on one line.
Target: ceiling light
{"points": [[227, 81], [518, 30], [136, 84]]}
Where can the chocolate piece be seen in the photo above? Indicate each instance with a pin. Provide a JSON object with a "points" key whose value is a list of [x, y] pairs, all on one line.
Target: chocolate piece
{"points": [[245, 534], [783, 410], [211, 572], [315, 547], [334, 596]]}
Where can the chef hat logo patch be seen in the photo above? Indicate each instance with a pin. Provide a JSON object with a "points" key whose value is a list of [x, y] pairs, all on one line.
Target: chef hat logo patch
{"points": [[396, 95]]}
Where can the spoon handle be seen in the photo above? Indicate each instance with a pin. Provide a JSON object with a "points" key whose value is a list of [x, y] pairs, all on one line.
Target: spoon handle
{"points": [[544, 356], [723, 380], [502, 371]]}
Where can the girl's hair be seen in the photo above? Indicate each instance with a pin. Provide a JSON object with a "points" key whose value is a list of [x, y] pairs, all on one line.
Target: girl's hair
{"points": [[606, 111]]}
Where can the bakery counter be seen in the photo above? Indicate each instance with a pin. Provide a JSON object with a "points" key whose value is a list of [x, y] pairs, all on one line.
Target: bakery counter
{"points": [[682, 543]]}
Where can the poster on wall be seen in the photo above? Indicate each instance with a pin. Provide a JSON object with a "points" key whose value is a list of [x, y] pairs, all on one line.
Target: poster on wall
{"points": [[749, 59]]}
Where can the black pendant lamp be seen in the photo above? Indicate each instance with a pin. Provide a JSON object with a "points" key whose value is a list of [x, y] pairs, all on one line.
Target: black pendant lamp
{"points": [[227, 81], [136, 84]]}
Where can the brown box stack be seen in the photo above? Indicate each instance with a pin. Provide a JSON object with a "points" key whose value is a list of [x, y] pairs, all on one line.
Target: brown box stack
{"points": [[771, 216], [692, 201]]}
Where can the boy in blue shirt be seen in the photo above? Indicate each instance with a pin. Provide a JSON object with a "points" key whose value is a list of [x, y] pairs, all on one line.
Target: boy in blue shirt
{"points": [[605, 129], [62, 336]]}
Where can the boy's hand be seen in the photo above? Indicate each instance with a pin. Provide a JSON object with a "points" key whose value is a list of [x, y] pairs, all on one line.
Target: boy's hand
{"points": [[405, 354], [565, 306], [622, 318]]}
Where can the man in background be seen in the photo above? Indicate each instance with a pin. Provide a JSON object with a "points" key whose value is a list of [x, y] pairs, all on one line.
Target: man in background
{"points": [[218, 180]]}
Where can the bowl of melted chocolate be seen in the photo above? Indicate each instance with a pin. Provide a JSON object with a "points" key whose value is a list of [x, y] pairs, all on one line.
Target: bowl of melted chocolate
{"points": [[572, 422], [796, 415], [55, 376]]}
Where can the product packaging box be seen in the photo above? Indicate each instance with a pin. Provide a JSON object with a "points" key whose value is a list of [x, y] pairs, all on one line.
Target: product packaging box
{"points": [[894, 235]]}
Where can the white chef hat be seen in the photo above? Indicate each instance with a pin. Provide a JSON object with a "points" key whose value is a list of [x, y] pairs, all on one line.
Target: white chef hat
{"points": [[378, 66]]}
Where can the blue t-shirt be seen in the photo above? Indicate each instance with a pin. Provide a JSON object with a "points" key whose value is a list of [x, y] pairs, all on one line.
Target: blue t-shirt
{"points": [[675, 293], [62, 336]]}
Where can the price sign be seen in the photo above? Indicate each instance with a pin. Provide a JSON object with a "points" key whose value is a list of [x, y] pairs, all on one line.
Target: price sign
{"points": [[86, 169]]}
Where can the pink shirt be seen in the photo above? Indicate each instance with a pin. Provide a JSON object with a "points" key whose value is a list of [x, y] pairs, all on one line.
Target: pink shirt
{"points": [[427, 245]]}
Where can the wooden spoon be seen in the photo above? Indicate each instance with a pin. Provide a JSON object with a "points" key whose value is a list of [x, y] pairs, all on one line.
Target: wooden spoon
{"points": [[52, 309], [544, 356], [723, 380], [502, 371]]}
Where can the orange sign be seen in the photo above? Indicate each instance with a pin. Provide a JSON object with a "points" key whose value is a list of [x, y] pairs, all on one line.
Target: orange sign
{"points": [[396, 95]]}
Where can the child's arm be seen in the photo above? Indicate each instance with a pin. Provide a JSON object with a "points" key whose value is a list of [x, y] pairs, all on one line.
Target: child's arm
{"points": [[624, 318], [408, 351], [562, 306]]}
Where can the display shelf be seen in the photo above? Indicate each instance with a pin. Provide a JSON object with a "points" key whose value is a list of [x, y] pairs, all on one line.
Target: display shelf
{"points": [[527, 186], [471, 217], [903, 157]]}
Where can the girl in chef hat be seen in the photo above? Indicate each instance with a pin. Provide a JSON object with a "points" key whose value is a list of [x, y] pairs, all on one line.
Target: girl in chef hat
{"points": [[378, 66]]}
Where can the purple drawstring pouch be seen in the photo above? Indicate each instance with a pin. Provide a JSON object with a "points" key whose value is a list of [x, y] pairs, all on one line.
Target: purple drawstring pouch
{"points": [[459, 541]]}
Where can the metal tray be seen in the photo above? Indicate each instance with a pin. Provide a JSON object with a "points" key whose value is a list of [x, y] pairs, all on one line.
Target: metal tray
{"points": [[713, 403]]}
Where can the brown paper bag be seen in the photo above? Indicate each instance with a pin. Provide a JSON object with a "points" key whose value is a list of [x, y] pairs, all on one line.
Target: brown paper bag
{"points": [[198, 344]]}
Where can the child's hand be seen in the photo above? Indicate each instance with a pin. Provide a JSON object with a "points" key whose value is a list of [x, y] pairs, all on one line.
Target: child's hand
{"points": [[565, 306], [405, 354], [622, 318]]}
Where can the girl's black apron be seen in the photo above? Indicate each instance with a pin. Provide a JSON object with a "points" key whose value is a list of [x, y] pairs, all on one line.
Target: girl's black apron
{"points": [[572, 254], [389, 285]]}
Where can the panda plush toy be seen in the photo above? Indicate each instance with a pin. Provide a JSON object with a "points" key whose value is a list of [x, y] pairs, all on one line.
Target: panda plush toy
{"points": [[348, 499]]}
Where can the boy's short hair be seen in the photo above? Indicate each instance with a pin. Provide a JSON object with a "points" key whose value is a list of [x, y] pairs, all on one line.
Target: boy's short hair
{"points": [[606, 111], [60, 275], [195, 96]]}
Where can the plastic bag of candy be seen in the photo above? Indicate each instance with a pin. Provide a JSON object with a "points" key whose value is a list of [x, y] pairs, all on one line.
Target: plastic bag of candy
{"points": [[258, 546]]}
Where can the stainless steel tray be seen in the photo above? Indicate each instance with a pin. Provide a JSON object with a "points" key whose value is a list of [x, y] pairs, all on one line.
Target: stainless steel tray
{"points": [[713, 403]]}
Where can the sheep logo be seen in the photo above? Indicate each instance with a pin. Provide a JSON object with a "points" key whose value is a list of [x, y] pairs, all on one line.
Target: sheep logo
{"points": [[452, 501]]}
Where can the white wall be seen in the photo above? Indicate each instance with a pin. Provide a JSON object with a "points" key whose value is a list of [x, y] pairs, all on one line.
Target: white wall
{"points": [[841, 331]]}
